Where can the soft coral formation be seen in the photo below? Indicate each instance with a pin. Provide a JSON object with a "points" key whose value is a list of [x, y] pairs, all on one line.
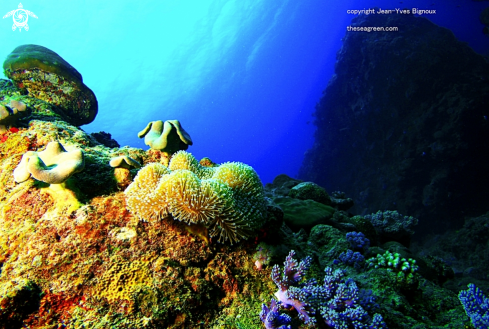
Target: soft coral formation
{"points": [[291, 293], [272, 318], [337, 299]]}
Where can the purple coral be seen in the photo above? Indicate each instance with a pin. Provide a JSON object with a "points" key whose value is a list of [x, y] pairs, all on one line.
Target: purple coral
{"points": [[342, 309], [271, 317], [290, 292], [337, 299]]}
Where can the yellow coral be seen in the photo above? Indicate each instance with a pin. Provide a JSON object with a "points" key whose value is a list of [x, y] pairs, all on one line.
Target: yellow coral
{"points": [[194, 201], [146, 195], [182, 160], [247, 189], [123, 279], [228, 199]]}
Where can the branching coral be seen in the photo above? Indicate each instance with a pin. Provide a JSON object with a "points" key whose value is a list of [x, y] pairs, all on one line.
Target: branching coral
{"points": [[476, 306], [227, 199], [357, 241], [337, 300], [403, 269], [390, 225], [352, 258], [290, 292], [271, 317]]}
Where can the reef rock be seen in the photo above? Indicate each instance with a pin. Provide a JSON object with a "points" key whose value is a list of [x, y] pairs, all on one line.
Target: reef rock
{"points": [[403, 124], [304, 213], [43, 74]]}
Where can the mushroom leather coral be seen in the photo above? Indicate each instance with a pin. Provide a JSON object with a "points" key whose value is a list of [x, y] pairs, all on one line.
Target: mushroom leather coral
{"points": [[227, 199], [168, 136], [10, 113], [54, 165]]}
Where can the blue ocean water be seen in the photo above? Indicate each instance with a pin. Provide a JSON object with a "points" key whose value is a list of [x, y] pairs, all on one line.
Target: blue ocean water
{"points": [[242, 77]]}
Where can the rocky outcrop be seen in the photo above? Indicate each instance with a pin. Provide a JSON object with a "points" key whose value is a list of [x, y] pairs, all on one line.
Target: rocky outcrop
{"points": [[403, 124]]}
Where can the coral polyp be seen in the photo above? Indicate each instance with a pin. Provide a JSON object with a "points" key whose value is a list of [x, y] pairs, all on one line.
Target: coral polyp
{"points": [[144, 194], [227, 199]]}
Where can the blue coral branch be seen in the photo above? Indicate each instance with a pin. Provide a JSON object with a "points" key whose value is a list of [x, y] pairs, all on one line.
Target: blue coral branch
{"points": [[476, 306]]}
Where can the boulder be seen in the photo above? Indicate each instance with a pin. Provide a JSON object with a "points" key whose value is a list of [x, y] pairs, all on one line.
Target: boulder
{"points": [[43, 74]]}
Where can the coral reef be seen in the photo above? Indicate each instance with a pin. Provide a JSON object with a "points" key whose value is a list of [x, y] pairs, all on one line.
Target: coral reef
{"points": [[227, 200], [43, 74], [85, 254]]}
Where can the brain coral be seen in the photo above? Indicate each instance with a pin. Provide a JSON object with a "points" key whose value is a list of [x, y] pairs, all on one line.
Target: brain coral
{"points": [[227, 199]]}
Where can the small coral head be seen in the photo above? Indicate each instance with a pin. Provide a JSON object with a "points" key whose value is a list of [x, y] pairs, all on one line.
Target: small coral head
{"points": [[271, 317], [17, 106], [54, 165], [124, 161], [10, 113], [168, 136]]}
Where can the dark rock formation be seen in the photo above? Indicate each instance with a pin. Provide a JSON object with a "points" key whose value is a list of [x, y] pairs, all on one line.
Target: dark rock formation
{"points": [[43, 74], [105, 138], [403, 124]]}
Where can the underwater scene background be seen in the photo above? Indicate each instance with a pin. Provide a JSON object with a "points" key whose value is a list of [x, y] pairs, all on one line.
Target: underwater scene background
{"points": [[160, 160]]}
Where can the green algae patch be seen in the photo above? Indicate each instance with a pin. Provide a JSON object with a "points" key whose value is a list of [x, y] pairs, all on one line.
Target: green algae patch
{"points": [[304, 213]]}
